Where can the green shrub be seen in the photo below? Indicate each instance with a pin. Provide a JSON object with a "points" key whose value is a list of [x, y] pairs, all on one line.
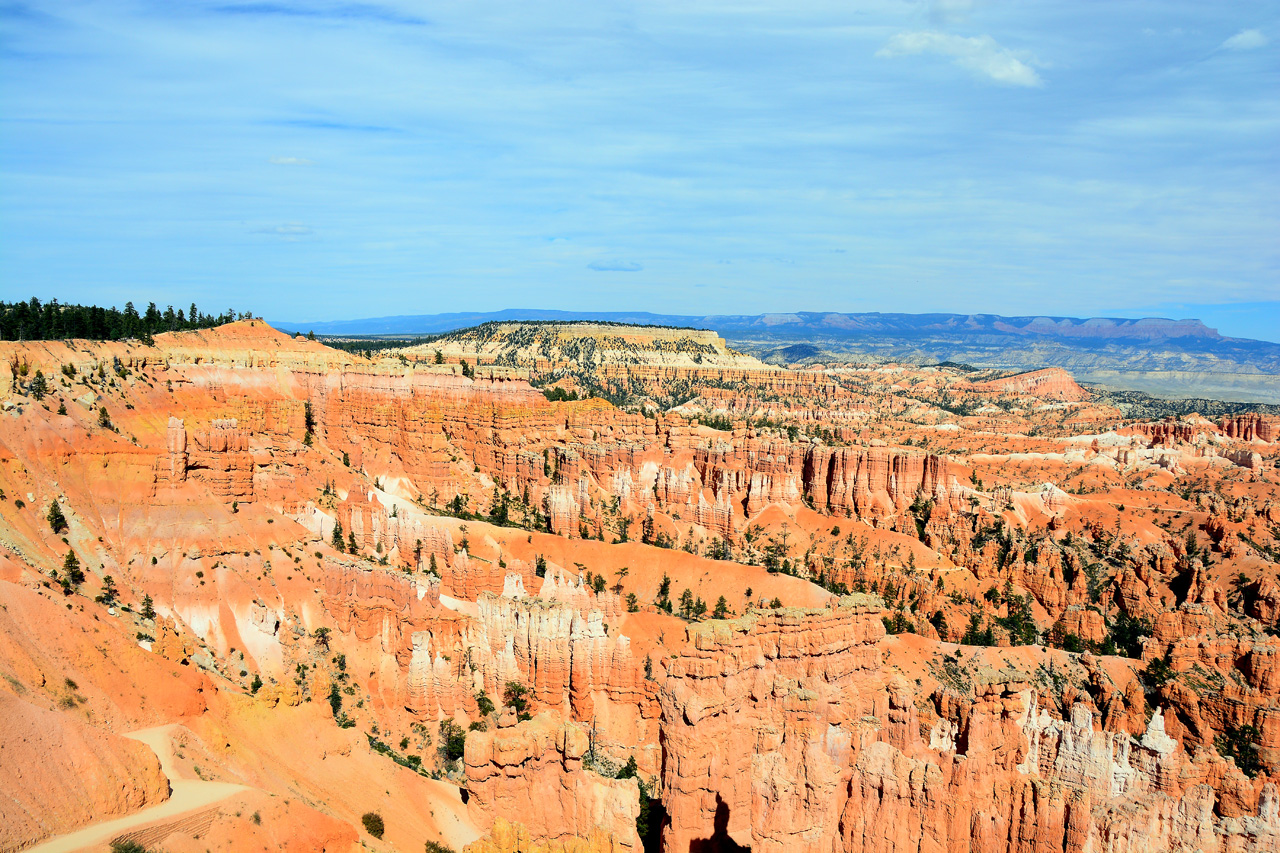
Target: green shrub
{"points": [[975, 634], [516, 695], [373, 824], [1157, 673], [1241, 745], [453, 740], [125, 846]]}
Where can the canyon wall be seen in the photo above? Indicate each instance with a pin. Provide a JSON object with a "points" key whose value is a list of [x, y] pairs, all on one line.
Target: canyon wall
{"points": [[532, 773], [782, 732]]}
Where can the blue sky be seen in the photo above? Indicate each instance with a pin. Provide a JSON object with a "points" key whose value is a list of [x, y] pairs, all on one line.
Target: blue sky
{"points": [[319, 160]]}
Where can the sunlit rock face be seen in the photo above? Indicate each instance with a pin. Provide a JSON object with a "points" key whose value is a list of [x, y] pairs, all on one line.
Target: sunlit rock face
{"points": [[845, 608]]}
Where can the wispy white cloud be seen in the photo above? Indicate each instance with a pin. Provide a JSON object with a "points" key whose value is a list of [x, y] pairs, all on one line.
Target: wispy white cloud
{"points": [[950, 11], [342, 12], [615, 266], [292, 161], [1246, 40], [289, 230], [764, 134], [981, 55]]}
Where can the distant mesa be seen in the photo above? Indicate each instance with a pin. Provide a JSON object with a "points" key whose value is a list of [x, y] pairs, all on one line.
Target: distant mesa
{"points": [[798, 324], [1164, 357], [542, 345]]}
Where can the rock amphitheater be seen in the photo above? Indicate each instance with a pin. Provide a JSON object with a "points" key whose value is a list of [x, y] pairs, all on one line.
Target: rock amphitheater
{"points": [[255, 591]]}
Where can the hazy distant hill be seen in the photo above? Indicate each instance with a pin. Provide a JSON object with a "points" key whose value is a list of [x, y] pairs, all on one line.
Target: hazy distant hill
{"points": [[1160, 356], [803, 325]]}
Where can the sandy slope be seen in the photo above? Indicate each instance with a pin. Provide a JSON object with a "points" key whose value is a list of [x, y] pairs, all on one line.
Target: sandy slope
{"points": [[187, 796]]}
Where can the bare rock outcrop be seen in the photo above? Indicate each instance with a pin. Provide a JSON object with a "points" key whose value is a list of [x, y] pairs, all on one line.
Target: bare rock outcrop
{"points": [[532, 773], [507, 837], [759, 715], [567, 657], [1050, 383], [781, 733]]}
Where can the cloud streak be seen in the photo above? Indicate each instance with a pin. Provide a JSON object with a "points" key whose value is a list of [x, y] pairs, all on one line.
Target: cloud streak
{"points": [[287, 231], [329, 124], [762, 151], [615, 266], [331, 12], [1246, 40], [980, 55]]}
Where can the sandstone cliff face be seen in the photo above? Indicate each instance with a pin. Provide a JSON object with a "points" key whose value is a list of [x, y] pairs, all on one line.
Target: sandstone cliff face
{"points": [[572, 463], [532, 773], [759, 716], [781, 733], [507, 837], [372, 604], [1169, 433], [1021, 781], [569, 658], [1194, 644], [217, 458]]}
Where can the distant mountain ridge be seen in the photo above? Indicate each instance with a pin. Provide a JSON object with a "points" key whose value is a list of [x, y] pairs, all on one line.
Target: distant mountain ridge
{"points": [[1159, 356], [801, 325]]}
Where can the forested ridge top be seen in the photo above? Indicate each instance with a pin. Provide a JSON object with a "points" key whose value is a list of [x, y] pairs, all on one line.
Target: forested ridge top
{"points": [[34, 320]]}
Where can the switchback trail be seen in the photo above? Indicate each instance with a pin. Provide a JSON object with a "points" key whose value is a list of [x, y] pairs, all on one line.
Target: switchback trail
{"points": [[186, 796]]}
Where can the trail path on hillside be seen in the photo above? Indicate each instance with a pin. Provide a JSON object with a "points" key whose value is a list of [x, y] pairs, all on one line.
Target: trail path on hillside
{"points": [[186, 795]]}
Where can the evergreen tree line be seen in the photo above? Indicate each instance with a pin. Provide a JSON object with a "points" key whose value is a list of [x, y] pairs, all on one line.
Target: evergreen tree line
{"points": [[52, 320]]}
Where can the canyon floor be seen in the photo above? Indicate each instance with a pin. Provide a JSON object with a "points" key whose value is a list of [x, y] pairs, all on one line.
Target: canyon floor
{"points": [[589, 587]]}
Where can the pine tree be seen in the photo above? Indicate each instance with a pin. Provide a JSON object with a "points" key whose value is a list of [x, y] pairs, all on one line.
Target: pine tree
{"points": [[338, 544], [57, 521], [39, 386], [72, 574], [109, 591], [722, 609], [663, 599], [516, 696], [309, 423], [148, 607]]}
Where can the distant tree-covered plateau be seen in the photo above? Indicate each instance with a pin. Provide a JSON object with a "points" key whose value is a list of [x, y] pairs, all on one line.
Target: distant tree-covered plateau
{"points": [[36, 321]]}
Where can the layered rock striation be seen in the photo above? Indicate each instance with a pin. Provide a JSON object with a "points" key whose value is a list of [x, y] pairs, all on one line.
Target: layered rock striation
{"points": [[532, 773]]}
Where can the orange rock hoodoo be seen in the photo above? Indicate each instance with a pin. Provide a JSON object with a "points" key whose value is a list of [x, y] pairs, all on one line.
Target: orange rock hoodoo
{"points": [[535, 769]]}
